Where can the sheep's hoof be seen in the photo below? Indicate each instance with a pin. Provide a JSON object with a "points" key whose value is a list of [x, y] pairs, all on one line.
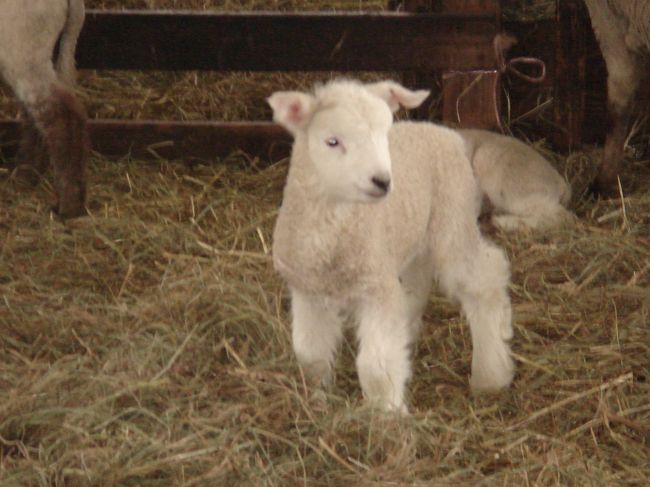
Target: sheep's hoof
{"points": [[26, 174], [604, 189], [70, 211]]}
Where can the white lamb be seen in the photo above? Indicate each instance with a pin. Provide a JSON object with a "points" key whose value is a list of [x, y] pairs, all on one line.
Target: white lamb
{"points": [[373, 213], [519, 183], [37, 47]]}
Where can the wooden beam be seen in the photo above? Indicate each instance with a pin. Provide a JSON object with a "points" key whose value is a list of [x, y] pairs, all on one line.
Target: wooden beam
{"points": [[570, 73], [175, 140], [265, 41], [471, 99]]}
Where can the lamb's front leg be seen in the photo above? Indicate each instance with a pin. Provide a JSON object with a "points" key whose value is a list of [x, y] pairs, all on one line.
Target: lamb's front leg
{"points": [[383, 361], [316, 334]]}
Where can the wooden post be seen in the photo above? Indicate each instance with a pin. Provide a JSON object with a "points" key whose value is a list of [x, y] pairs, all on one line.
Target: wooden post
{"points": [[469, 98], [570, 73], [472, 98]]}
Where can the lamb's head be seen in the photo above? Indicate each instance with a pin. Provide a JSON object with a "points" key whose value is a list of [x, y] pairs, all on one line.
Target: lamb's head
{"points": [[345, 125]]}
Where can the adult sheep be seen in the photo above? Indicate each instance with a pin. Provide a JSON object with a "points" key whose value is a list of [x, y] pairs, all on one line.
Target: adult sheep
{"points": [[519, 184], [37, 46], [622, 28], [372, 214]]}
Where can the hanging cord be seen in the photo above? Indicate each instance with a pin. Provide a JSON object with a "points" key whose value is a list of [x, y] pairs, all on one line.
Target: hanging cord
{"points": [[502, 44]]}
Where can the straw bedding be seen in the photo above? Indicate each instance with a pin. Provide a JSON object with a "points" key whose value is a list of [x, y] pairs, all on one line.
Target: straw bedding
{"points": [[148, 344]]}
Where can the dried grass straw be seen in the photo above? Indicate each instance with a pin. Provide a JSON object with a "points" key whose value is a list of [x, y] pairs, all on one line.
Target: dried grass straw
{"points": [[148, 344]]}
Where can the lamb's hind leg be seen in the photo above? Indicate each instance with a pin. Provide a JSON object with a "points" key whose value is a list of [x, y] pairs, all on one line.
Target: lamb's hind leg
{"points": [[535, 212], [477, 275], [417, 280]]}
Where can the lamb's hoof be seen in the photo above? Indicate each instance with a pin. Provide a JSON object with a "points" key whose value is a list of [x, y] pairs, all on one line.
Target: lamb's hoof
{"points": [[387, 406], [318, 401], [495, 376]]}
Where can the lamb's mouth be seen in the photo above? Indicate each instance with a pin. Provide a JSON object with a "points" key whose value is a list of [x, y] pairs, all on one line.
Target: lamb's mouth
{"points": [[372, 193], [375, 193]]}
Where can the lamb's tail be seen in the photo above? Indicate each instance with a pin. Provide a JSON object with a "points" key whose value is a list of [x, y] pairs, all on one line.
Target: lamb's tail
{"points": [[65, 61]]}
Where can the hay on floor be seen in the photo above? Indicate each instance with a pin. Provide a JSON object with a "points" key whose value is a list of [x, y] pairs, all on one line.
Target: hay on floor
{"points": [[148, 344]]}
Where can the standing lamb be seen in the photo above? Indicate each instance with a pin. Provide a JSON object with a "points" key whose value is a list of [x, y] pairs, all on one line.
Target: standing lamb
{"points": [[37, 46], [622, 28], [373, 213], [522, 187]]}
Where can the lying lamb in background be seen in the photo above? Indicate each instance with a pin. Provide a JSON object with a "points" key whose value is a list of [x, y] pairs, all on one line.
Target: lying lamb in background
{"points": [[521, 185], [373, 213], [622, 28], [37, 46]]}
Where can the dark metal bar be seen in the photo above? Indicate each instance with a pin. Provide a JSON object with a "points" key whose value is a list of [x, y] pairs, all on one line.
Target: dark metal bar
{"points": [[178, 140], [146, 40]]}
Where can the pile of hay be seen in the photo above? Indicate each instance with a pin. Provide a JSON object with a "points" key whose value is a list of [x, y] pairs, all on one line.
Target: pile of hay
{"points": [[148, 344]]}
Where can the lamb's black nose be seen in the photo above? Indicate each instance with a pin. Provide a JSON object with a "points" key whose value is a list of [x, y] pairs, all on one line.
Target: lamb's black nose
{"points": [[381, 182]]}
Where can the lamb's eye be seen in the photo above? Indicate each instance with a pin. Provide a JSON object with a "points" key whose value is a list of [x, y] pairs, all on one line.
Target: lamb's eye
{"points": [[332, 142]]}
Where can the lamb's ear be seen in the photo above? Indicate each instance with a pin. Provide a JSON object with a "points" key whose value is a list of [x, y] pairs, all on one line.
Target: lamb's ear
{"points": [[292, 109], [396, 95]]}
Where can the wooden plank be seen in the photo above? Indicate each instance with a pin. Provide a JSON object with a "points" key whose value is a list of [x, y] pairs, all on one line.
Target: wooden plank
{"points": [[265, 41], [471, 99], [471, 7], [570, 74], [175, 140], [448, 6]]}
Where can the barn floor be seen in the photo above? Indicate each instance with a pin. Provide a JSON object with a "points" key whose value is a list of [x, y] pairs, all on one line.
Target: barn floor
{"points": [[148, 344]]}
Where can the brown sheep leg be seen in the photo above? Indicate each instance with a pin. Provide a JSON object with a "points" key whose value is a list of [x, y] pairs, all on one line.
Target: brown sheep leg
{"points": [[623, 76], [31, 159], [613, 153], [62, 121]]}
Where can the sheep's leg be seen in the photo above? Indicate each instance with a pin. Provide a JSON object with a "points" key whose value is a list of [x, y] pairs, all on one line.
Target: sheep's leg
{"points": [[316, 334], [623, 77], [62, 122], [536, 212], [383, 361], [476, 274], [624, 71], [31, 158]]}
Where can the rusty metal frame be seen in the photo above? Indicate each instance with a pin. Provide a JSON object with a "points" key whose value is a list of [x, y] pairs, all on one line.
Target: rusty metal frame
{"points": [[265, 41]]}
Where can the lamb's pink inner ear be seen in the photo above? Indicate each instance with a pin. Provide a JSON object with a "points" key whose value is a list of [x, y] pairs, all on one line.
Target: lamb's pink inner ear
{"points": [[291, 109], [295, 113], [392, 100]]}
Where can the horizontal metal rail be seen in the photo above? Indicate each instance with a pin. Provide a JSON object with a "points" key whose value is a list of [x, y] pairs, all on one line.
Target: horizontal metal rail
{"points": [[387, 41], [260, 41], [175, 140]]}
